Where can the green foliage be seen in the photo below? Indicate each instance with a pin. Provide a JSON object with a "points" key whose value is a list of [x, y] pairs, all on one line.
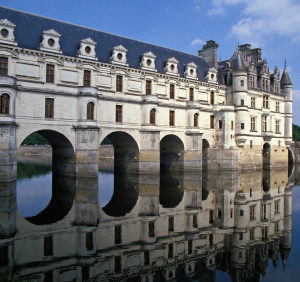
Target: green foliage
{"points": [[29, 170], [296, 132], [35, 139]]}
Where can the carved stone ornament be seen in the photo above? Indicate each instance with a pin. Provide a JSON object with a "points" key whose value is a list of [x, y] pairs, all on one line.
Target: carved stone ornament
{"points": [[148, 61], [171, 66], [7, 32], [191, 71], [87, 49], [119, 55], [50, 41]]}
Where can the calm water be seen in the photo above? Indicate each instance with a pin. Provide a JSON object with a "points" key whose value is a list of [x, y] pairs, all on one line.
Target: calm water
{"points": [[219, 226]]}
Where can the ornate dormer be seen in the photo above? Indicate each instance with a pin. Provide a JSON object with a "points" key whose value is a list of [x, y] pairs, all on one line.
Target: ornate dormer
{"points": [[7, 32], [252, 75], [264, 75], [148, 61], [171, 66], [119, 55], [212, 75], [87, 49], [275, 80], [191, 71], [50, 41]]}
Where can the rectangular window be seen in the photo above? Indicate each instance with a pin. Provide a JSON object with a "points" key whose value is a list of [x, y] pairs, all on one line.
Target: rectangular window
{"points": [[89, 241], [276, 226], [212, 98], [252, 212], [85, 272], [253, 125], [49, 108], [211, 216], [191, 95], [264, 211], [146, 257], [252, 234], [277, 107], [119, 116], [212, 122], [242, 126], [118, 234], [242, 83], [277, 207], [265, 102], [148, 87], [3, 66], [118, 265], [48, 246], [232, 124], [252, 102], [171, 224], [48, 276], [264, 232], [195, 221], [242, 102], [170, 250], [172, 91], [264, 123], [172, 118], [277, 126], [220, 124], [50, 73], [241, 236], [119, 83], [87, 78], [190, 246], [3, 256], [211, 240], [151, 229], [241, 212]]}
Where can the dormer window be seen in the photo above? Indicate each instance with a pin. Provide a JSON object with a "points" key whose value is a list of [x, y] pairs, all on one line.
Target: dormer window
{"points": [[191, 71], [87, 49], [50, 41], [7, 32], [212, 75], [119, 55], [171, 66], [148, 61]]}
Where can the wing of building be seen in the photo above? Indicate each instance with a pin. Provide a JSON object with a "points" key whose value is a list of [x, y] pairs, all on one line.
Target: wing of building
{"points": [[66, 78]]}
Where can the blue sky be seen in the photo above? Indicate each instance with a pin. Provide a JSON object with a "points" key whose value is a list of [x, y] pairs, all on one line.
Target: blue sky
{"points": [[185, 25]]}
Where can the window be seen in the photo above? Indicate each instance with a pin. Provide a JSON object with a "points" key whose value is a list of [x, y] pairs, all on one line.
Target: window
{"points": [[212, 98], [242, 83], [3, 256], [195, 221], [90, 111], [119, 113], [277, 126], [253, 125], [146, 257], [4, 104], [172, 91], [242, 126], [119, 83], [48, 246], [264, 211], [265, 102], [242, 102], [172, 118], [3, 66], [87, 78], [49, 108], [231, 213], [252, 102], [196, 119], [171, 224], [264, 232], [118, 234], [148, 87], [220, 124], [241, 236], [170, 250], [252, 212], [48, 276], [191, 96], [276, 226], [190, 246], [219, 214], [152, 116], [151, 229], [50, 73], [241, 212], [264, 123], [118, 265], [232, 124], [277, 207], [252, 234], [89, 241], [212, 121], [277, 107], [211, 240], [211, 216], [85, 273]]}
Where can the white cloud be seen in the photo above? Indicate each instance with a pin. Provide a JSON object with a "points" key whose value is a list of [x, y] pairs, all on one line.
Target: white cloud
{"points": [[197, 41], [261, 19]]}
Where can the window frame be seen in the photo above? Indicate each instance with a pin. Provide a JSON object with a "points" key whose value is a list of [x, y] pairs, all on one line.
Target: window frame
{"points": [[50, 73], [191, 94], [90, 111], [212, 98], [3, 66], [87, 78], [119, 113], [119, 83], [172, 91], [4, 103], [212, 121], [152, 119], [49, 107], [171, 118], [148, 87], [196, 120]]}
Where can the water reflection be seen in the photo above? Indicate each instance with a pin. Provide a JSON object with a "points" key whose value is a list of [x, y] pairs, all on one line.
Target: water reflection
{"points": [[224, 226]]}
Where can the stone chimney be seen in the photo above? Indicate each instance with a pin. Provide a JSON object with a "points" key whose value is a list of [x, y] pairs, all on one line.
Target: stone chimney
{"points": [[209, 53]]}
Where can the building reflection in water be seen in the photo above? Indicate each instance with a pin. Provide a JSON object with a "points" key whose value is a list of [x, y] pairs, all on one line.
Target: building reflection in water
{"points": [[155, 228]]}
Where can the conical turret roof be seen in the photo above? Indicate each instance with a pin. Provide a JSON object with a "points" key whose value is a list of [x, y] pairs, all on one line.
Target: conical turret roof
{"points": [[285, 79], [239, 63]]}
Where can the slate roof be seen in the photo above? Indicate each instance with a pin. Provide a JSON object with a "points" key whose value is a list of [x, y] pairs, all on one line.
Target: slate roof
{"points": [[29, 29], [285, 79]]}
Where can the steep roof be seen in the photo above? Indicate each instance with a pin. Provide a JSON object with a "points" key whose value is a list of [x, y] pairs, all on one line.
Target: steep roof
{"points": [[285, 79], [29, 29], [239, 63]]}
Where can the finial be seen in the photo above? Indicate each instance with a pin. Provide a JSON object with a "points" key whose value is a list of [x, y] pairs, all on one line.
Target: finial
{"points": [[285, 63]]}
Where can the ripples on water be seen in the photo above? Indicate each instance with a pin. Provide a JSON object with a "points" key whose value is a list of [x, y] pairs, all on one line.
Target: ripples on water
{"points": [[172, 227]]}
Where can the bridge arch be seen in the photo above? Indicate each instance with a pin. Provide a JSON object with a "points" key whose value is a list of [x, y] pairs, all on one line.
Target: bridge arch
{"points": [[126, 151], [171, 153]]}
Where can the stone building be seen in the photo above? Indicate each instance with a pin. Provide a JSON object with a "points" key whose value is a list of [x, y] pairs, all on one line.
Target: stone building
{"points": [[159, 107]]}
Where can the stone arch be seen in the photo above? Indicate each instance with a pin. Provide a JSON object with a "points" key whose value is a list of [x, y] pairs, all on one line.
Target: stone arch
{"points": [[266, 155], [171, 153], [126, 151]]}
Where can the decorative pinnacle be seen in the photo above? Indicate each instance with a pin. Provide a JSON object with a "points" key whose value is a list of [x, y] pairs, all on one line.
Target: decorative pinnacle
{"points": [[285, 63]]}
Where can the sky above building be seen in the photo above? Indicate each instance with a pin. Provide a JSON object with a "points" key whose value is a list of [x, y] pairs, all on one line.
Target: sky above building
{"points": [[185, 25]]}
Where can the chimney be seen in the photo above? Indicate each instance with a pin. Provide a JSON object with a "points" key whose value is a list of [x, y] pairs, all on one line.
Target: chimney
{"points": [[209, 53]]}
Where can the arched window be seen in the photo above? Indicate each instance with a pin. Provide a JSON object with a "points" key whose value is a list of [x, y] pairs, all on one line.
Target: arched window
{"points": [[90, 111], [4, 104], [196, 120], [152, 116]]}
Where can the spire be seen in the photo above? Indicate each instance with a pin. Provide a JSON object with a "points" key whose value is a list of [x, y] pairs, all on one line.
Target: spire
{"points": [[285, 79], [239, 63]]}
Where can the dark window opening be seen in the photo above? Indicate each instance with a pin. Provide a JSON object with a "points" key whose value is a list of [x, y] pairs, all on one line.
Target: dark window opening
{"points": [[118, 234], [195, 221], [171, 224], [48, 246], [146, 257], [87, 78], [119, 113], [191, 94], [3, 256], [119, 83], [170, 250], [152, 116], [190, 246], [172, 118], [49, 108], [172, 91], [4, 104], [89, 244], [151, 229], [148, 87], [3, 66], [118, 265], [50, 73], [90, 111], [85, 272]]}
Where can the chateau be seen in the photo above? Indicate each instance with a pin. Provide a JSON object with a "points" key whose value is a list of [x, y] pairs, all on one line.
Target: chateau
{"points": [[160, 108]]}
